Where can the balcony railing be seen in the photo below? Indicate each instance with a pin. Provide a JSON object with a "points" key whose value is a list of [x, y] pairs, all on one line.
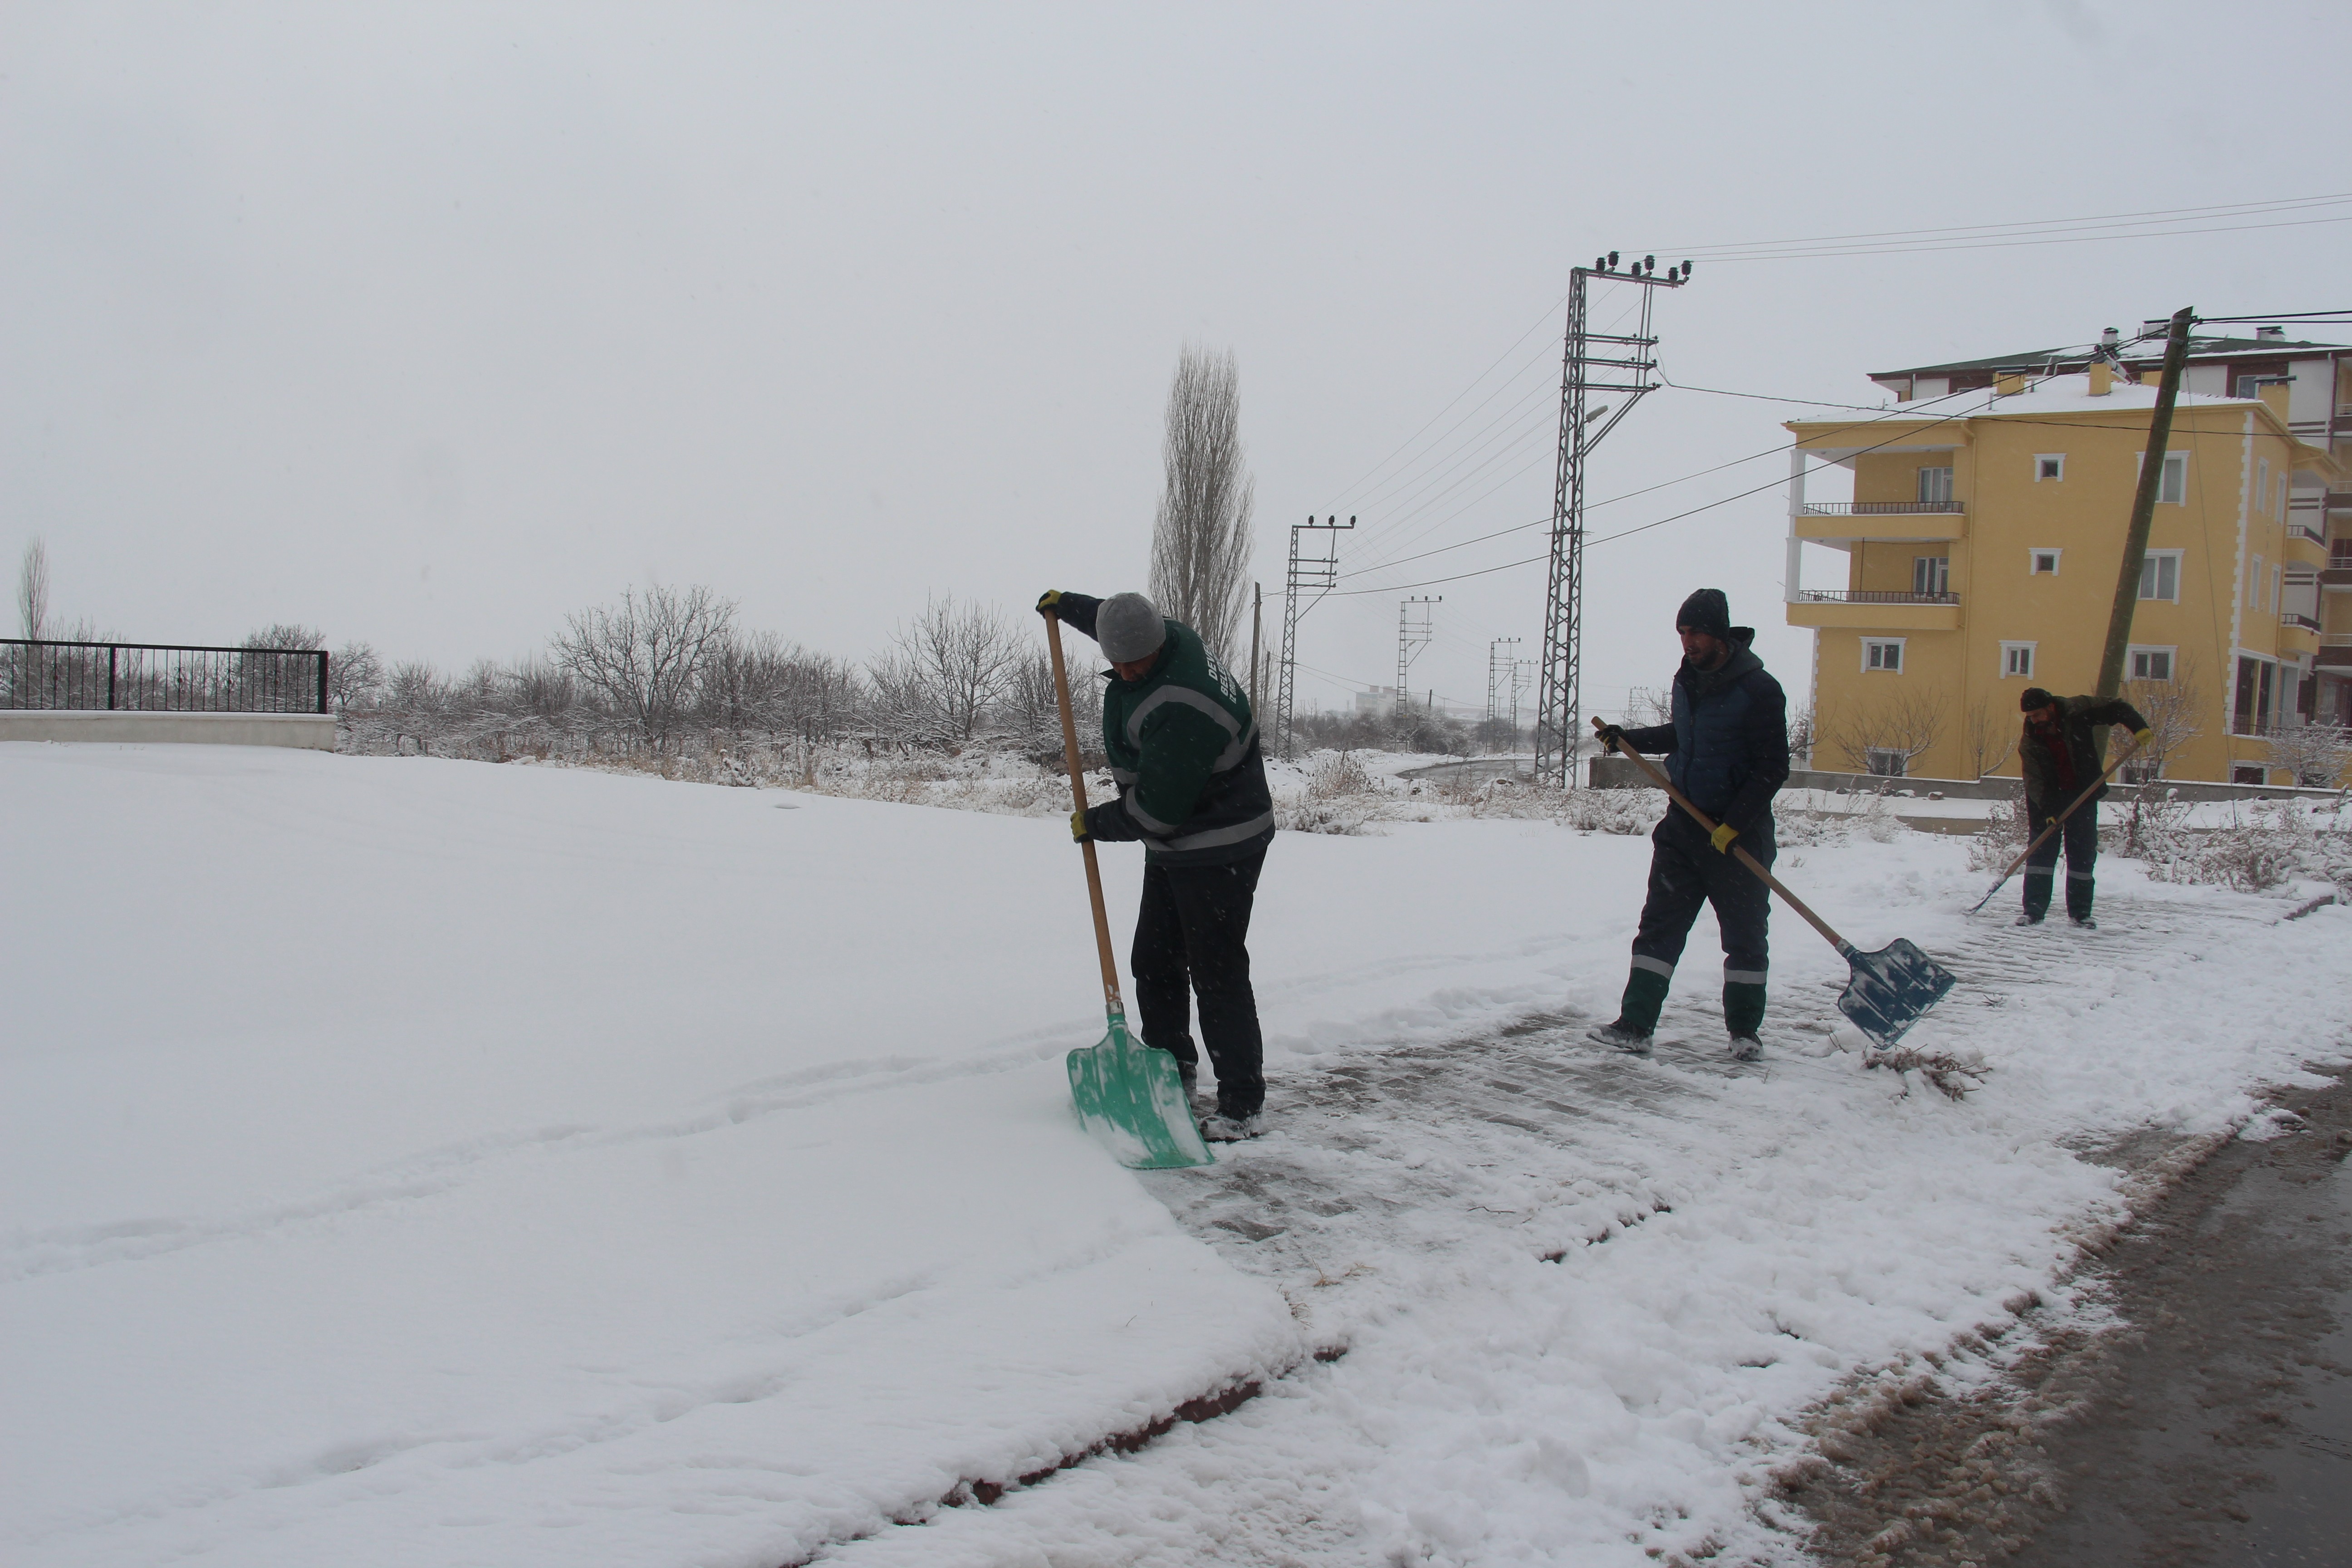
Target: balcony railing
{"points": [[2298, 530], [1883, 509], [2297, 618], [1871, 596], [155, 678]]}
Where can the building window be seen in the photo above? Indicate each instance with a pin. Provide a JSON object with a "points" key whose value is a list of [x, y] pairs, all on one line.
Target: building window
{"points": [[2172, 489], [2262, 485], [2254, 585], [2044, 564], [2274, 590], [1935, 486], [2049, 466], [1931, 574], [2257, 682], [2017, 659], [1882, 653], [1886, 764], [2159, 575], [2151, 664], [2243, 774]]}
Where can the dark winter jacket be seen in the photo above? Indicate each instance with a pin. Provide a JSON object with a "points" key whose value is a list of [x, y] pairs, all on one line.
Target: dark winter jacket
{"points": [[1728, 748], [1183, 747], [2046, 789]]}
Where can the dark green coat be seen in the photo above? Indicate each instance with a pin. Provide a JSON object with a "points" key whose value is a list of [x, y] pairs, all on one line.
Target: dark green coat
{"points": [[2044, 789], [1183, 747]]}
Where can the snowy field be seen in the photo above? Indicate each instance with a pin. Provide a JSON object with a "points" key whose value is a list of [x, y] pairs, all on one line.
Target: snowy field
{"points": [[425, 1162]]}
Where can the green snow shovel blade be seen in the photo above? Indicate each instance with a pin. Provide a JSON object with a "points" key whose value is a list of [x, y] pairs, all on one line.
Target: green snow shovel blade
{"points": [[1128, 1096], [1891, 988], [1130, 1100]]}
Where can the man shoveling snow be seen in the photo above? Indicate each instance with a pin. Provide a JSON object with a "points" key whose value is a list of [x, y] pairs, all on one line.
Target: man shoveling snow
{"points": [[2058, 760], [1183, 749], [1727, 749]]}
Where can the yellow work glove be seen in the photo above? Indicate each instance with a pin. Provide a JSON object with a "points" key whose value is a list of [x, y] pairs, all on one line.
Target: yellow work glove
{"points": [[1078, 827], [1722, 836], [1049, 600], [2143, 736]]}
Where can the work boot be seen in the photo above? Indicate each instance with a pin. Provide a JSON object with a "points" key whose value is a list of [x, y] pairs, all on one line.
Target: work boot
{"points": [[1221, 1128], [2028, 918], [1620, 1035], [2083, 922], [1745, 1047]]}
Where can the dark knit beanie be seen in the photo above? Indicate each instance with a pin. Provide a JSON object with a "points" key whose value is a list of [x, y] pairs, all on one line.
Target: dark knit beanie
{"points": [[1706, 611], [2033, 699]]}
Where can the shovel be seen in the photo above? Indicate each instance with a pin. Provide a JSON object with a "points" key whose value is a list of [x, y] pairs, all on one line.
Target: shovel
{"points": [[1128, 1096], [1891, 988], [2121, 758]]}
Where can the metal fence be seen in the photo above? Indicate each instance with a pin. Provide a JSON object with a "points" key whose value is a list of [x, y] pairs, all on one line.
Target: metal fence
{"points": [[157, 678]]}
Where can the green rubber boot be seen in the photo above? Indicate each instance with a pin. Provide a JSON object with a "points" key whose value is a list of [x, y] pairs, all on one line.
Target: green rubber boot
{"points": [[1645, 996], [1743, 1008]]}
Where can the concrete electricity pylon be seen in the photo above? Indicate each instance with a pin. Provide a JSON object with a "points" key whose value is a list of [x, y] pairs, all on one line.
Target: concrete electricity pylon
{"points": [[1416, 624], [1318, 571], [1601, 377]]}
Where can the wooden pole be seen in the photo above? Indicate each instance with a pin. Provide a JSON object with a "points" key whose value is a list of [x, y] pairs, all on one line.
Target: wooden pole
{"points": [[2151, 480], [1257, 620]]}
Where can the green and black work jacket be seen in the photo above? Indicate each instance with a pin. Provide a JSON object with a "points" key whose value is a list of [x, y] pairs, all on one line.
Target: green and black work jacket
{"points": [[1183, 747], [2052, 782]]}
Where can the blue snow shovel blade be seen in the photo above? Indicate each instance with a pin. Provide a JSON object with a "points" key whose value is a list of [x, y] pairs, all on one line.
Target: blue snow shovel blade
{"points": [[1130, 1098], [1890, 989]]}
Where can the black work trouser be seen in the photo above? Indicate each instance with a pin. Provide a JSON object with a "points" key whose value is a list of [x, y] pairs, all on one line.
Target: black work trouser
{"points": [[1191, 939], [1687, 871], [2080, 836]]}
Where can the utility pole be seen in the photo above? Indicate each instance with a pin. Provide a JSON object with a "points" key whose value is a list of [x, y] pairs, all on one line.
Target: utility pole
{"points": [[1500, 677], [1620, 370], [1257, 621], [1416, 624], [1306, 572], [2151, 481]]}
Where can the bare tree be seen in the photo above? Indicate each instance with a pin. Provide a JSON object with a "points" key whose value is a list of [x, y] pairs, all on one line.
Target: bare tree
{"points": [[1890, 733], [33, 591], [947, 669], [290, 635], [1200, 542], [1646, 706], [648, 653], [1987, 735], [2314, 754], [2173, 710], [354, 677]]}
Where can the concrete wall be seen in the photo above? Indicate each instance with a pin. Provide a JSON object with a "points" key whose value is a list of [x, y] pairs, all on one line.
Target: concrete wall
{"points": [[314, 732]]}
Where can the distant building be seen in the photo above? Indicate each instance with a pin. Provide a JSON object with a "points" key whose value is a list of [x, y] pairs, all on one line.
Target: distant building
{"points": [[1983, 547]]}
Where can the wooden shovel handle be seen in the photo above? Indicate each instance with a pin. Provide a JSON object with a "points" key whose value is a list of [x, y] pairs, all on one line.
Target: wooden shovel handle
{"points": [[1111, 1002], [1743, 857]]}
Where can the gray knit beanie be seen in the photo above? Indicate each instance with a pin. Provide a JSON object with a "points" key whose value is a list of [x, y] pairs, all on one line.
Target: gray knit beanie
{"points": [[1129, 627]]}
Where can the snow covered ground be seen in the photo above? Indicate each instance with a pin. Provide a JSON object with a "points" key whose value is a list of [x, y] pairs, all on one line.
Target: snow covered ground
{"points": [[419, 1161]]}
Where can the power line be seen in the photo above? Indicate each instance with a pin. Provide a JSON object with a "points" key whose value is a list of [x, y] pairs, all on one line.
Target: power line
{"points": [[2154, 223]]}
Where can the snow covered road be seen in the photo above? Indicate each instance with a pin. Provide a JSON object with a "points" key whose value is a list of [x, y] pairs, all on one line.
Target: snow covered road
{"points": [[420, 1161]]}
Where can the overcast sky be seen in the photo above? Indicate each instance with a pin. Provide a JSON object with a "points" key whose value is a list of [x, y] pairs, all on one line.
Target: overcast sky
{"points": [[427, 325]]}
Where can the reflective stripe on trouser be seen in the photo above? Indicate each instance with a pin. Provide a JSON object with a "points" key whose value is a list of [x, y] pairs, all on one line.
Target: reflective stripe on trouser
{"points": [[1191, 940], [2079, 835], [1686, 872]]}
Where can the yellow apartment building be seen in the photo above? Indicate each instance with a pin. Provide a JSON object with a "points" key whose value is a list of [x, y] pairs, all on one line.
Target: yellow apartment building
{"points": [[1985, 538]]}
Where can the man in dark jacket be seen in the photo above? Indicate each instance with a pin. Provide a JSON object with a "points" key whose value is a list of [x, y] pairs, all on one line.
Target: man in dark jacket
{"points": [[1183, 749], [1727, 749], [2059, 763]]}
